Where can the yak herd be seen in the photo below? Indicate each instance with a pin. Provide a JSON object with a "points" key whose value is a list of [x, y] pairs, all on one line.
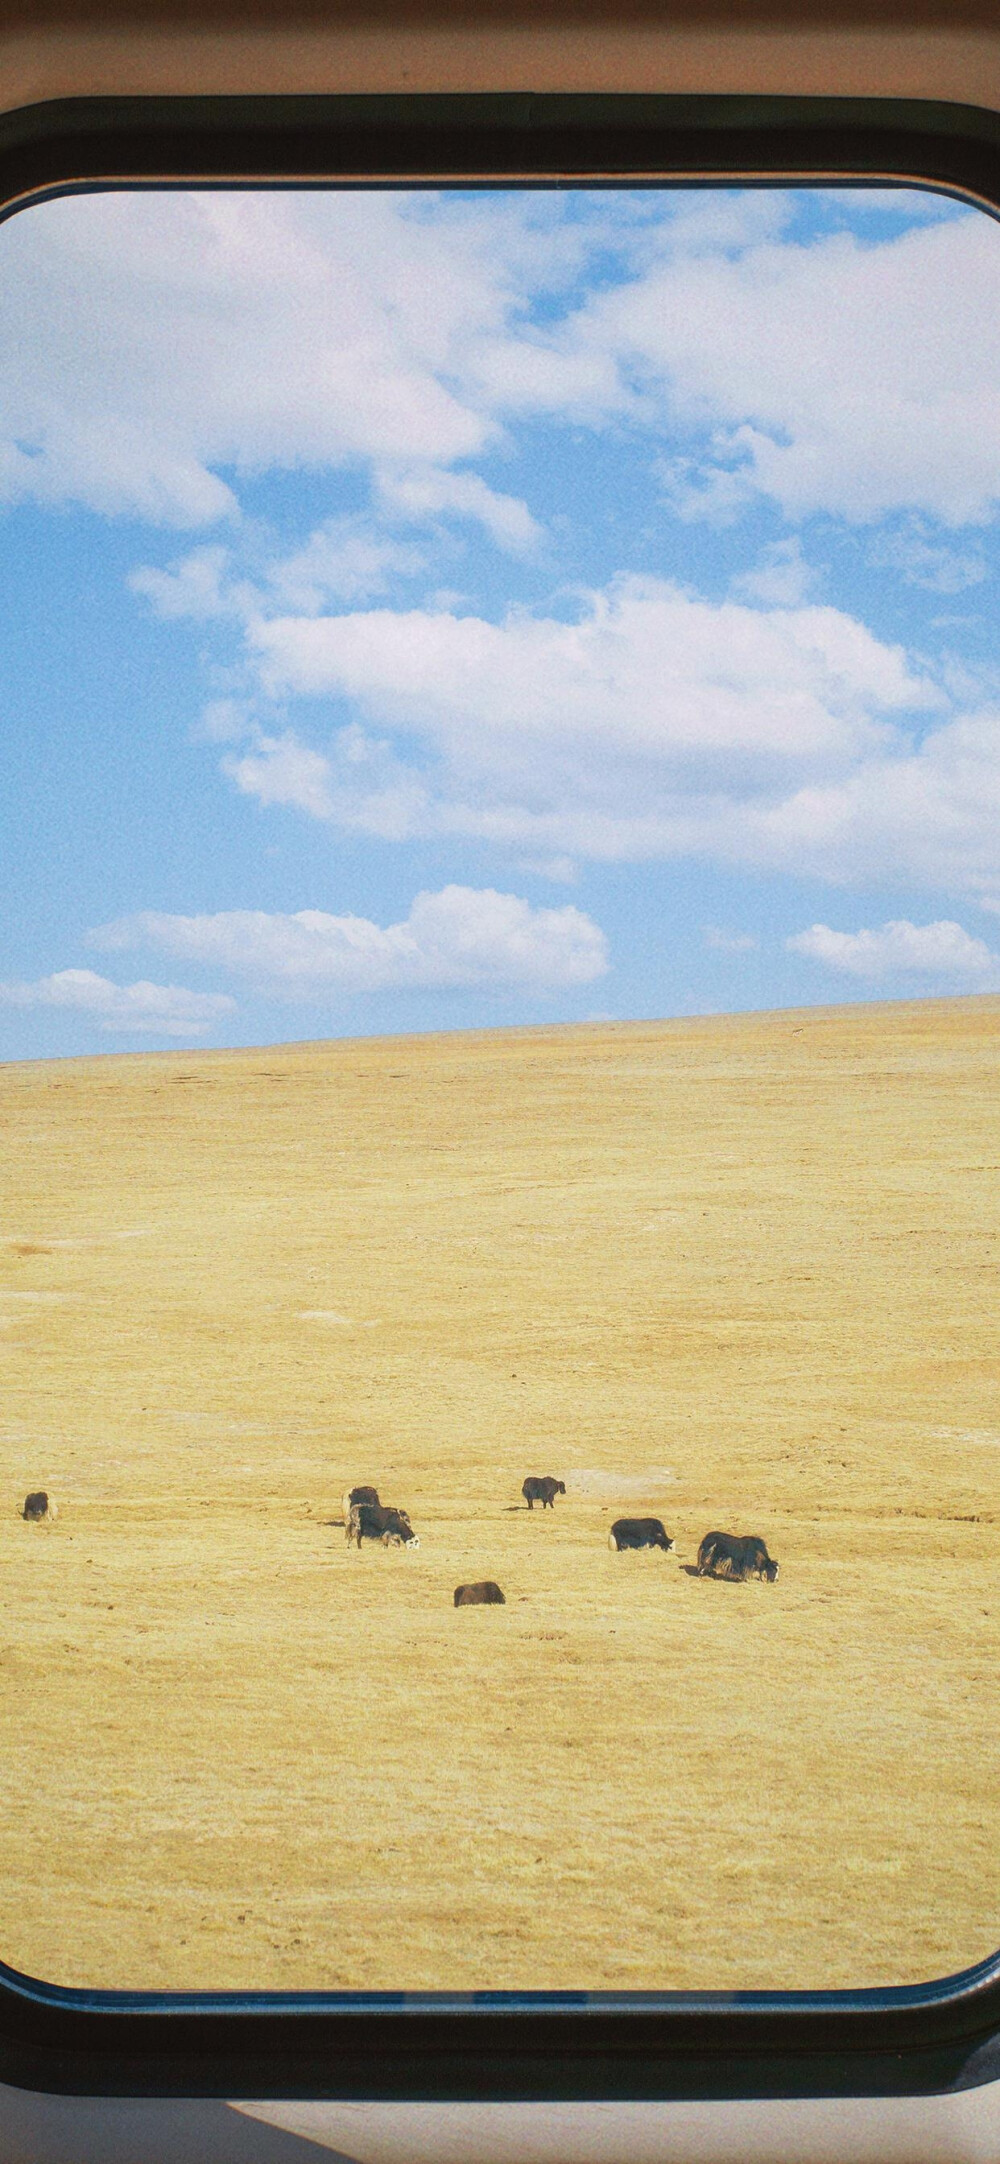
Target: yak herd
{"points": [[721, 1555]]}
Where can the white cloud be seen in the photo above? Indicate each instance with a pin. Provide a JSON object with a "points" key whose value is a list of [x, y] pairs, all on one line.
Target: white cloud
{"points": [[943, 950], [931, 564], [902, 201], [926, 814], [640, 728], [646, 669], [561, 870], [343, 560], [426, 492], [170, 345], [462, 937], [167, 1009], [192, 587], [162, 338], [223, 721], [654, 725], [840, 376], [716, 221], [280, 770], [782, 579]]}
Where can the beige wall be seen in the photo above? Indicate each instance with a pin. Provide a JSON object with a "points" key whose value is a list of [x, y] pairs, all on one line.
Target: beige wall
{"points": [[893, 48]]}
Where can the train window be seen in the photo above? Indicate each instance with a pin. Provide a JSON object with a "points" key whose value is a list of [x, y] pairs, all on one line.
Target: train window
{"points": [[501, 1020]]}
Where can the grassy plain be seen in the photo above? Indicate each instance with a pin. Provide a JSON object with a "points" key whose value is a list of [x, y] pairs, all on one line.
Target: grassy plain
{"points": [[740, 1272]]}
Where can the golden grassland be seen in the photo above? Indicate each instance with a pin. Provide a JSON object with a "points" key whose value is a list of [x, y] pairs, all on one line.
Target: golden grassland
{"points": [[739, 1272]]}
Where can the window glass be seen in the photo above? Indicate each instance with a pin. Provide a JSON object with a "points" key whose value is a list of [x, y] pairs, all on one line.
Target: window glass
{"points": [[500, 1009]]}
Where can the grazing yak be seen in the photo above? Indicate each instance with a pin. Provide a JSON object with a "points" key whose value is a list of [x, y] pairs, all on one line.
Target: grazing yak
{"points": [[484, 1594], [639, 1533], [542, 1490], [731, 1555], [376, 1521], [37, 1506], [358, 1495]]}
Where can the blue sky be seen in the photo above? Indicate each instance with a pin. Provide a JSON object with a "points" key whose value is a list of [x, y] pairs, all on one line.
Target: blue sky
{"points": [[428, 611]]}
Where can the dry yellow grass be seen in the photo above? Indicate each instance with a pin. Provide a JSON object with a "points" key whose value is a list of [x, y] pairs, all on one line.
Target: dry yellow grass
{"points": [[739, 1272]]}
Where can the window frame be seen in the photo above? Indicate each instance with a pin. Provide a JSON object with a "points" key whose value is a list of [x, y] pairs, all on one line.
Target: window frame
{"points": [[500, 2046]]}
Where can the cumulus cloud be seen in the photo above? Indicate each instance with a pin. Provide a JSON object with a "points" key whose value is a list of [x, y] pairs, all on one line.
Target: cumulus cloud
{"points": [[223, 721], [170, 345], [830, 375], [782, 579], [902, 201], [650, 724], [928, 813], [343, 560], [428, 492], [161, 338], [645, 668], [166, 1009], [932, 564], [644, 725], [198, 585], [280, 770], [462, 937], [943, 950]]}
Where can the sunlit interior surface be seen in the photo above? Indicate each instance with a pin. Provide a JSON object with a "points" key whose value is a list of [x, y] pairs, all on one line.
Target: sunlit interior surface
{"points": [[500, 1010]]}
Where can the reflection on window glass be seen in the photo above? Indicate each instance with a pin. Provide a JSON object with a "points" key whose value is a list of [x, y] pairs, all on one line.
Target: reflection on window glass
{"points": [[501, 1032]]}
